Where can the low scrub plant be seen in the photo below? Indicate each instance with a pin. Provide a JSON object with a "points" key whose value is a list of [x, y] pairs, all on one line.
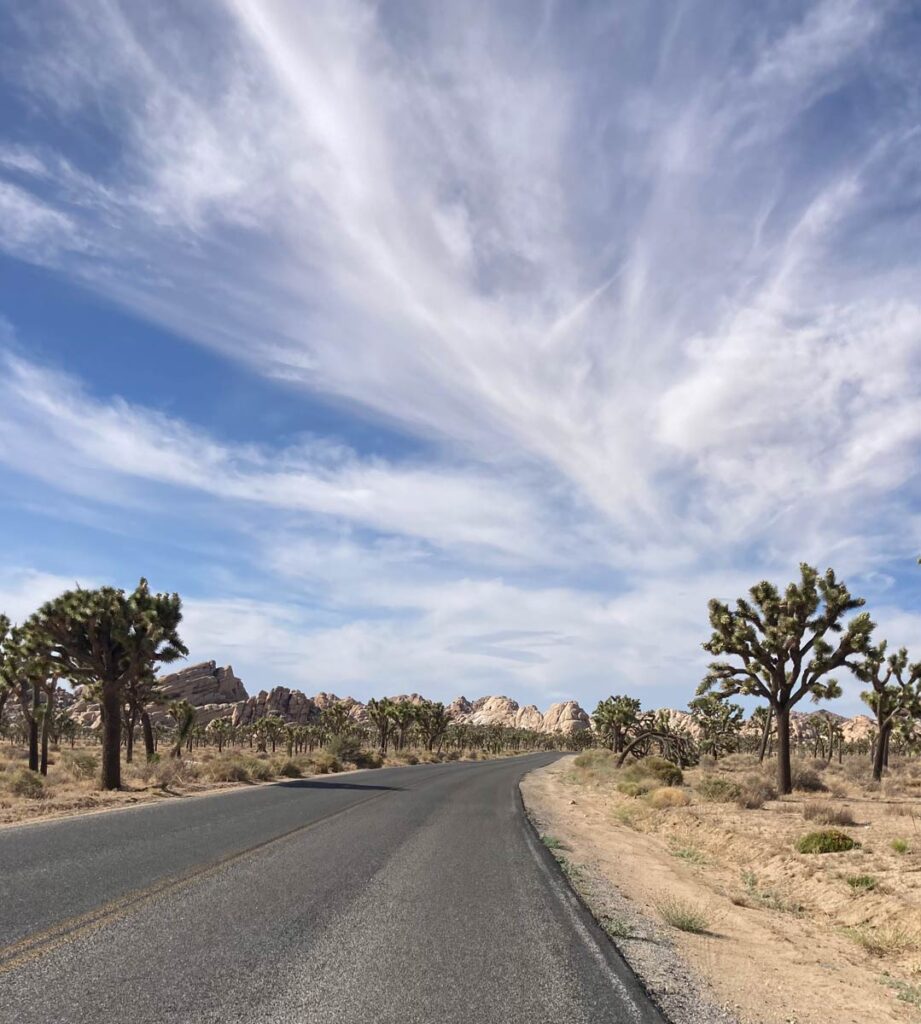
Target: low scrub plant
{"points": [[594, 759], [290, 769], [826, 812], [80, 764], [900, 846], [827, 840], [259, 770], [684, 915], [227, 769], [22, 782], [862, 883], [668, 796], [717, 790], [806, 778], [324, 763], [689, 853], [886, 941], [667, 772], [755, 791]]}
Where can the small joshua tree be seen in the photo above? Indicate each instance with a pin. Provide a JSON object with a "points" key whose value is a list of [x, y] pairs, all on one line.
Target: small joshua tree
{"points": [[782, 649], [895, 693], [719, 723]]}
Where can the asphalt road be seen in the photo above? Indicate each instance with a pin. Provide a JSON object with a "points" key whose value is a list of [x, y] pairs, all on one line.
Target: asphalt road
{"points": [[413, 895]]}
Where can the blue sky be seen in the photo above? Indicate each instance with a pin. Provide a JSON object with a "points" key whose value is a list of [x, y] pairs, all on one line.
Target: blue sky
{"points": [[461, 348]]}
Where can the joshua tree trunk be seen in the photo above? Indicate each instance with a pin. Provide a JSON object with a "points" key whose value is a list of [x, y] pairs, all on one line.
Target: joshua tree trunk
{"points": [[150, 747], [111, 739], [130, 726], [879, 754], [784, 774], [766, 734], [32, 716], [46, 730]]}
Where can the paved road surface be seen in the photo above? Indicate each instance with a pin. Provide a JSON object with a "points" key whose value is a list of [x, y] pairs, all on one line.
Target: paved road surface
{"points": [[413, 895]]}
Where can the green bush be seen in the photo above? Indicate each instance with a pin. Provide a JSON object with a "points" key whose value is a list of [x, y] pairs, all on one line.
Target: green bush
{"points": [[259, 771], [826, 840], [900, 846], [637, 787], [667, 772], [681, 914], [718, 790], [345, 747], [862, 883], [80, 764], [22, 782]]}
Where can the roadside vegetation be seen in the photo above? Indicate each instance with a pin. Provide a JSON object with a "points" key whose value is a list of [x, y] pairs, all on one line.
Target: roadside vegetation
{"points": [[111, 644]]}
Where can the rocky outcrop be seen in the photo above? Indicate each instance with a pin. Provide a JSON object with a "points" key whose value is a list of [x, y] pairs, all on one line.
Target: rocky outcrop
{"points": [[566, 717], [203, 684]]}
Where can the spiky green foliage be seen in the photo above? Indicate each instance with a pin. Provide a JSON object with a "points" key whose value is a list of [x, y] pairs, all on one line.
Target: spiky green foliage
{"points": [[719, 722], [783, 649], [895, 693], [433, 721], [614, 719], [106, 639]]}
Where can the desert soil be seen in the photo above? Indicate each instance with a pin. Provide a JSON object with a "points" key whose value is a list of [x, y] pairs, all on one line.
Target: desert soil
{"points": [[780, 945]]}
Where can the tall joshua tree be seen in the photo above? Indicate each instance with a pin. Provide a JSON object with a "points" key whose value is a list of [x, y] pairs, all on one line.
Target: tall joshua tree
{"points": [[614, 718], [895, 692], [781, 643], [105, 639], [183, 714]]}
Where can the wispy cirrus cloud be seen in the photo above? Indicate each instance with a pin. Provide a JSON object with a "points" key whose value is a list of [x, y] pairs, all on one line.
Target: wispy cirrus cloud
{"points": [[640, 280]]}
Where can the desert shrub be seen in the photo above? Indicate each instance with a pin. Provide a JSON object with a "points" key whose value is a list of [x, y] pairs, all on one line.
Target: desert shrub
{"points": [[80, 764], [826, 840], [165, 773], [684, 915], [325, 764], [738, 762], [806, 778], [22, 782], [718, 790], [668, 796], [637, 787], [886, 941], [289, 769], [259, 770], [825, 812], [368, 759], [862, 883], [227, 769], [452, 755], [594, 758], [900, 846], [345, 747], [668, 773], [755, 791]]}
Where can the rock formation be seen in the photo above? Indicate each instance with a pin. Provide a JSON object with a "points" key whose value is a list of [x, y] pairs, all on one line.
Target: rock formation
{"points": [[203, 684]]}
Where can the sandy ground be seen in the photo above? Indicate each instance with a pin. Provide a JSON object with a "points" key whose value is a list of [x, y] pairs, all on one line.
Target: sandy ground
{"points": [[778, 948]]}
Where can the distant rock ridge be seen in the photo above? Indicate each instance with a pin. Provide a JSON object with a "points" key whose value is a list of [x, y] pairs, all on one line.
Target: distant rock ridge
{"points": [[217, 692]]}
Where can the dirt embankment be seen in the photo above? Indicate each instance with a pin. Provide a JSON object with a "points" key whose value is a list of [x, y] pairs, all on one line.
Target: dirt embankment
{"points": [[778, 936]]}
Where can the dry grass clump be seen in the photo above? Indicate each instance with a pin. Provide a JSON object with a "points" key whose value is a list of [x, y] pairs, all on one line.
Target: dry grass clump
{"points": [[900, 846], [684, 915], [755, 791], [715, 789], [80, 764], [826, 812], [826, 840], [602, 758], [887, 941], [806, 778], [22, 782], [668, 796], [324, 763], [862, 883], [228, 768]]}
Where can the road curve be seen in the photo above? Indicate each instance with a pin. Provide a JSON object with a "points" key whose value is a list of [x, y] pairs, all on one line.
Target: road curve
{"points": [[413, 895]]}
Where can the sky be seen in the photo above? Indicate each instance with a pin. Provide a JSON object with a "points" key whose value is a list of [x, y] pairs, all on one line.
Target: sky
{"points": [[461, 348]]}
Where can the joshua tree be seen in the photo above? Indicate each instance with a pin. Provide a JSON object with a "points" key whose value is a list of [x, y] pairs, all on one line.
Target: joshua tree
{"points": [[404, 714], [762, 719], [336, 718], [614, 718], [719, 722], [104, 639], [219, 729], [183, 714], [380, 714], [780, 642], [895, 694], [433, 720]]}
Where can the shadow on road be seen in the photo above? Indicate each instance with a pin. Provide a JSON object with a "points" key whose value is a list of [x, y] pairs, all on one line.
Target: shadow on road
{"points": [[317, 784]]}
